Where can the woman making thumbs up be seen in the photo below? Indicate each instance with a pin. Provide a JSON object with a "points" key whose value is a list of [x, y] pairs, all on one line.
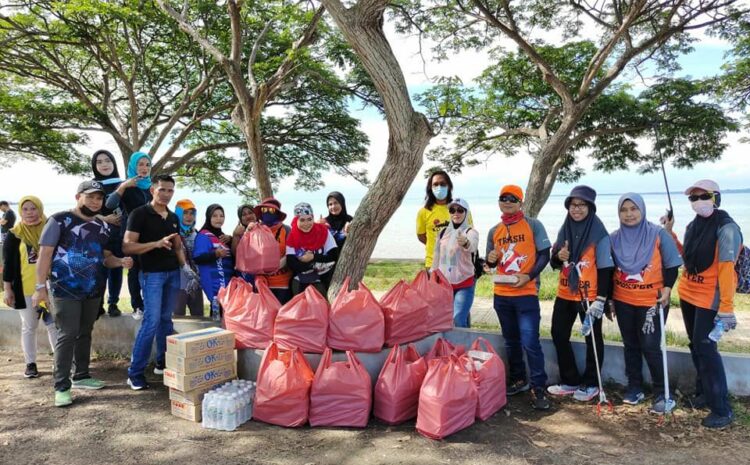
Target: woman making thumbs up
{"points": [[583, 255]]}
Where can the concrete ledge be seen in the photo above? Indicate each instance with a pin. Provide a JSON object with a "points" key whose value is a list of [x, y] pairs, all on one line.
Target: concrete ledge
{"points": [[681, 370], [116, 335], [111, 335]]}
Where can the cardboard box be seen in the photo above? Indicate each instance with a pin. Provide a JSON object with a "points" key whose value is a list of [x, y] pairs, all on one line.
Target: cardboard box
{"points": [[199, 362], [199, 379], [186, 410], [195, 396], [200, 342]]}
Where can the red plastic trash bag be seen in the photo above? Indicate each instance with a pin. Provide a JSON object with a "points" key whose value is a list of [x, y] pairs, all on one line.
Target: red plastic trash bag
{"points": [[282, 395], [438, 292], [397, 388], [443, 349], [341, 393], [356, 320], [252, 321], [258, 252], [490, 377], [448, 398], [303, 322], [405, 314], [233, 295]]}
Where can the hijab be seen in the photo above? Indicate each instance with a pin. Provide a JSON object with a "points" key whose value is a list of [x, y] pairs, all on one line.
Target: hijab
{"points": [[30, 234], [337, 222], [207, 227], [633, 246], [580, 235], [241, 208], [701, 236], [312, 240], [180, 207], [108, 181], [143, 183]]}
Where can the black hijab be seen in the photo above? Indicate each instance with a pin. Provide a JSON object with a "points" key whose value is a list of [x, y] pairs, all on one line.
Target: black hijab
{"points": [[337, 222], [701, 237], [207, 224], [580, 235], [242, 207], [111, 181]]}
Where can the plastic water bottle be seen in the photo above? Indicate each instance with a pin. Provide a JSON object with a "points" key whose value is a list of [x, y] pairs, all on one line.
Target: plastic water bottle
{"points": [[220, 412], [717, 332], [586, 326], [231, 419], [215, 314], [205, 410]]}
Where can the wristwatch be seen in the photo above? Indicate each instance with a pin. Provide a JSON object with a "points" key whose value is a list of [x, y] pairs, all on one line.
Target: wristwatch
{"points": [[39, 287]]}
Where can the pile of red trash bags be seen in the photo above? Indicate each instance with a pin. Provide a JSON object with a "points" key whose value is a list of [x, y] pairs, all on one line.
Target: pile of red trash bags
{"points": [[354, 321], [447, 389]]}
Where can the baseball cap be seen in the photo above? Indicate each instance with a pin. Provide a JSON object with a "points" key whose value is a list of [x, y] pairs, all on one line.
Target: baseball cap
{"points": [[89, 187], [461, 203], [513, 190], [705, 184]]}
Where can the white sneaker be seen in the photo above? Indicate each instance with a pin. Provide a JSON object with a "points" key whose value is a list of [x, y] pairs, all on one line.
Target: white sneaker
{"points": [[585, 394], [138, 314], [561, 390]]}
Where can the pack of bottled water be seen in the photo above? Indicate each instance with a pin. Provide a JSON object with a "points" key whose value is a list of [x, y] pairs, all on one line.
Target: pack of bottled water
{"points": [[228, 406]]}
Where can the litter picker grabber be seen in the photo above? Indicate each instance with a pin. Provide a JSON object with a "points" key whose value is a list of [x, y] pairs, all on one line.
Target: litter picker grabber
{"points": [[602, 396], [669, 403], [670, 212]]}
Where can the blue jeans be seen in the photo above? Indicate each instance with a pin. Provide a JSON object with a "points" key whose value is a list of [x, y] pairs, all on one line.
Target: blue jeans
{"points": [[711, 380], [519, 320], [114, 285], [462, 301], [114, 275], [160, 293]]}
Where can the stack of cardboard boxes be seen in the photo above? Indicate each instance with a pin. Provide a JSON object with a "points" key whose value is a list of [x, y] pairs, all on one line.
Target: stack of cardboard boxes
{"points": [[197, 362]]}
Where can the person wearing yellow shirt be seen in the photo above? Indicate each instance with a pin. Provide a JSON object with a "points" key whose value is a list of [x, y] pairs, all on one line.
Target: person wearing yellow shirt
{"points": [[434, 216], [19, 261]]}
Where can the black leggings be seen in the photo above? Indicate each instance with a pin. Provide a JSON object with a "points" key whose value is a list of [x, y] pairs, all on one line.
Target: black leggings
{"points": [[564, 315]]}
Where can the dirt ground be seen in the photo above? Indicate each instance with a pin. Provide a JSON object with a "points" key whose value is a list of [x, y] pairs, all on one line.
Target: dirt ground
{"points": [[118, 426]]}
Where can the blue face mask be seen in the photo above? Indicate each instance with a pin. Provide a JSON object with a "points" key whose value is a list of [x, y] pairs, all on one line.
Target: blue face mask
{"points": [[440, 192], [269, 219]]}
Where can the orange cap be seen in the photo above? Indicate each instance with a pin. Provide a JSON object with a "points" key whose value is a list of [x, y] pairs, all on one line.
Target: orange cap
{"points": [[513, 190], [186, 204]]}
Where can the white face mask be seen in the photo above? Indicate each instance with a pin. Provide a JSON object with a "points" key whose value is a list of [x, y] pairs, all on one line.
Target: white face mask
{"points": [[703, 208]]}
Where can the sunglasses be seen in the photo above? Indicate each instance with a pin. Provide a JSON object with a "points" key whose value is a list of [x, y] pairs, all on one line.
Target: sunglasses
{"points": [[508, 198], [270, 210], [456, 210], [705, 196]]}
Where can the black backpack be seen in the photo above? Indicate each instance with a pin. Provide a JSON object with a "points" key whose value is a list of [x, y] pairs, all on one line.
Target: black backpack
{"points": [[475, 258]]}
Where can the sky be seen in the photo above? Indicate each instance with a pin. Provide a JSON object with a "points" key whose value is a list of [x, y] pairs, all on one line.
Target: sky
{"points": [[732, 171]]}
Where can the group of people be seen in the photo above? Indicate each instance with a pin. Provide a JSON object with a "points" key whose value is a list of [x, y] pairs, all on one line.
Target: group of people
{"points": [[116, 224], [127, 224], [627, 274]]}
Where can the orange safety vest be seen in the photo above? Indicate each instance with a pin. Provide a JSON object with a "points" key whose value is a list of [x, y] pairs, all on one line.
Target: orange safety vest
{"points": [[516, 253], [702, 289], [280, 279], [641, 289], [586, 273]]}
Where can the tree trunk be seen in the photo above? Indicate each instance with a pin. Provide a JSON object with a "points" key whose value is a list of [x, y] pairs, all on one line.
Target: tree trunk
{"points": [[409, 133], [250, 127], [379, 204], [547, 165]]}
